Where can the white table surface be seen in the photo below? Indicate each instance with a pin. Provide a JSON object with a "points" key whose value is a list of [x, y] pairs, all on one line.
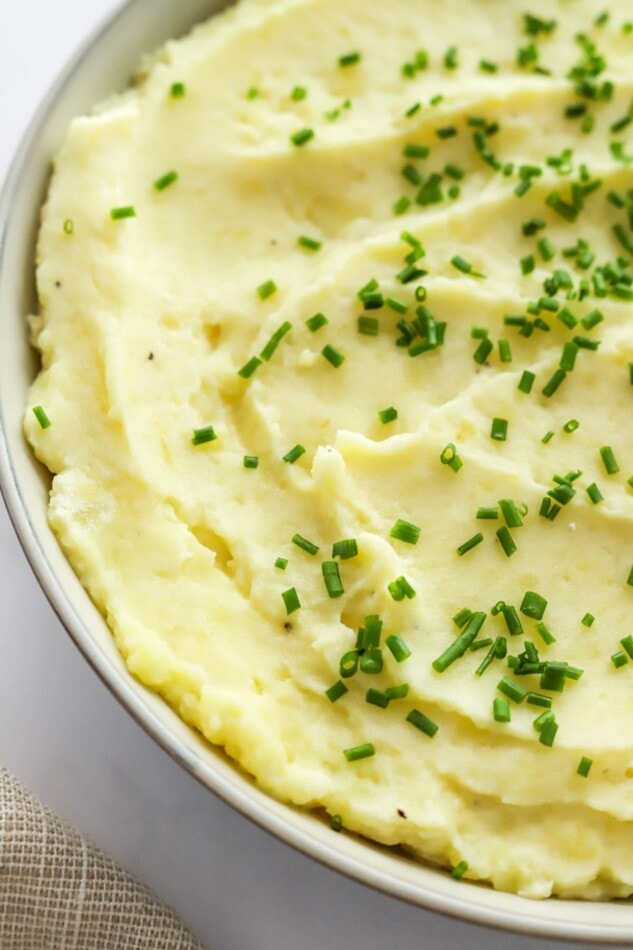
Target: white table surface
{"points": [[66, 737]]}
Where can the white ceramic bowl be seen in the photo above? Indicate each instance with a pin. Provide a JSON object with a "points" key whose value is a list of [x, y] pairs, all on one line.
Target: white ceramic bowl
{"points": [[103, 65]]}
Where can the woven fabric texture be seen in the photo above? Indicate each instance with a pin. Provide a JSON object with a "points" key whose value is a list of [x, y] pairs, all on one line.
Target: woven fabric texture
{"points": [[59, 892]]}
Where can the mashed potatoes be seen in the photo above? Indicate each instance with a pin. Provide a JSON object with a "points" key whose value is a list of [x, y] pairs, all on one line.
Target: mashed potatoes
{"points": [[335, 332]]}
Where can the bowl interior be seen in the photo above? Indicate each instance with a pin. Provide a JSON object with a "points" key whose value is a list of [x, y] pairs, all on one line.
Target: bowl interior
{"points": [[103, 65]]}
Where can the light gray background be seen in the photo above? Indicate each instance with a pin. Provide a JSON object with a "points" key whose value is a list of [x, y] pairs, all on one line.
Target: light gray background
{"points": [[66, 738]]}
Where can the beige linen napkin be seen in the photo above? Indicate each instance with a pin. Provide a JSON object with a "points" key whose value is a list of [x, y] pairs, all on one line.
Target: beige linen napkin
{"points": [[57, 892]]}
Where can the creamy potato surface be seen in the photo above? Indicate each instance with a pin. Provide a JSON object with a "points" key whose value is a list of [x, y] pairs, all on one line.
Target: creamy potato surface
{"points": [[361, 272]]}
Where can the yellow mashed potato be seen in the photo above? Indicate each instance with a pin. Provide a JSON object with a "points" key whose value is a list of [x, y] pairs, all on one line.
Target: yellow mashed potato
{"points": [[341, 271]]}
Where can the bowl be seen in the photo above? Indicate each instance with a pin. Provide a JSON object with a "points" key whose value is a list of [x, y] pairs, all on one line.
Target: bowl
{"points": [[103, 65]]}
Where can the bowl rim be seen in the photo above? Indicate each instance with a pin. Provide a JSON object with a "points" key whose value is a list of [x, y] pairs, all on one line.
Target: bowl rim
{"points": [[461, 901]]}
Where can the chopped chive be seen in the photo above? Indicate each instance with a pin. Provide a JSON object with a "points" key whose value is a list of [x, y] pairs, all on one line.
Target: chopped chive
{"points": [[405, 531], [166, 180], [295, 453], [251, 461], [267, 289], [364, 751], [543, 719], [177, 90], [526, 382], [505, 353], [533, 605], [595, 495], [388, 415], [450, 58], [460, 264], [309, 243], [398, 648], [548, 732], [527, 264], [470, 544], [316, 322], [568, 358], [401, 588], [252, 92], [512, 690], [335, 691], [459, 646], [547, 437], [371, 661], [571, 425], [422, 722], [336, 823], [409, 274], [501, 709], [291, 600], [305, 545], [41, 417], [487, 513], [334, 357], [377, 697], [348, 664], [69, 226], [510, 513], [368, 326], [462, 617], [332, 579], [349, 59], [275, 340], [205, 434], [506, 540], [552, 385], [512, 619], [619, 659], [481, 644], [499, 429], [588, 620], [483, 351], [630, 578], [584, 766], [487, 67], [627, 643], [398, 692], [608, 460], [249, 368], [394, 303], [545, 634], [302, 137], [401, 205], [459, 870], [127, 211], [449, 457], [345, 549], [539, 699], [281, 563], [416, 151], [412, 110]]}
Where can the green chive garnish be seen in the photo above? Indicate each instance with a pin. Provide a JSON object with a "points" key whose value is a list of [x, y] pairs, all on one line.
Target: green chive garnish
{"points": [[345, 549], [281, 563], [295, 453], [398, 648], [571, 425], [450, 457], [249, 368], [316, 322], [470, 544], [388, 415], [619, 659], [584, 766], [377, 697], [302, 137], [533, 605], [165, 180], [405, 531], [506, 541], [41, 417], [332, 579], [608, 460], [501, 709], [305, 545], [251, 461], [275, 340], [335, 691], [267, 289], [499, 429], [422, 722], [459, 646], [206, 434], [334, 357], [401, 588], [487, 513], [298, 93], [364, 751], [349, 59], [291, 600], [526, 382], [69, 226], [588, 620], [177, 90], [127, 211], [309, 243], [512, 690], [548, 732]]}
